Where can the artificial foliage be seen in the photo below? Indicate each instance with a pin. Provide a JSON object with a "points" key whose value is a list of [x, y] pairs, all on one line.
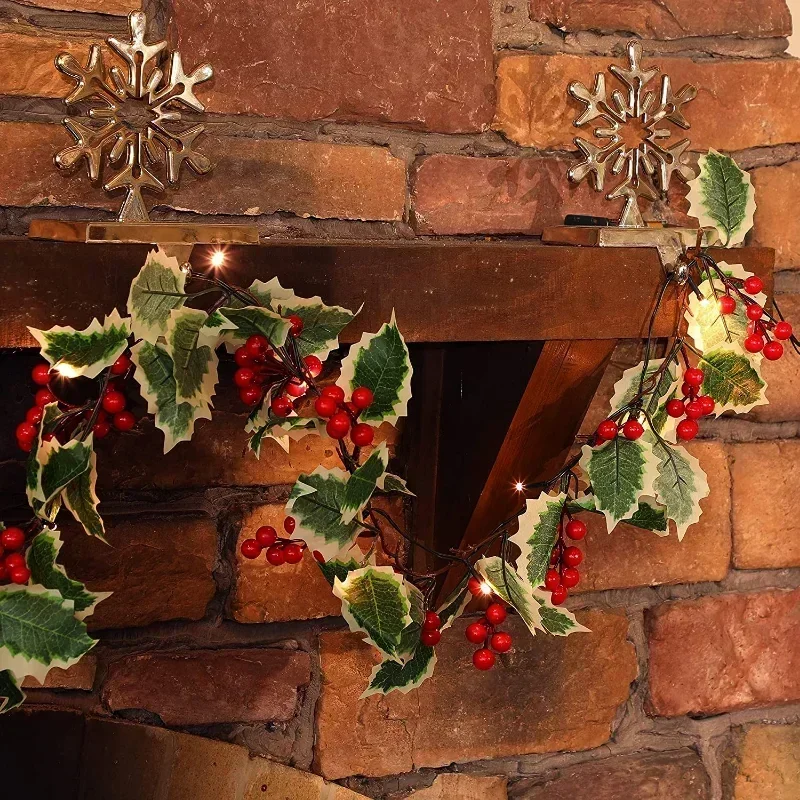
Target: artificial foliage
{"points": [[297, 381]]}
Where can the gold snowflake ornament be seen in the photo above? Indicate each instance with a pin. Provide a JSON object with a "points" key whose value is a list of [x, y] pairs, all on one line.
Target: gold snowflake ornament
{"points": [[134, 120], [632, 137]]}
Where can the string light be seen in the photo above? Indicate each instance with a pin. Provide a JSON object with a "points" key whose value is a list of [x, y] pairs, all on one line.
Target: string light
{"points": [[486, 588], [66, 370], [519, 486], [217, 259]]}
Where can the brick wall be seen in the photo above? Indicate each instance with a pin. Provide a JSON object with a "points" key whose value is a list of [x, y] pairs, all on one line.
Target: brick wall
{"points": [[448, 117]]}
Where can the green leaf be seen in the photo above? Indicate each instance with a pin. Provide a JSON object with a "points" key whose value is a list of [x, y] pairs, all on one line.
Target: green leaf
{"points": [[680, 485], [81, 499], [335, 568], [620, 471], [650, 516], [316, 504], [362, 483], [380, 361], [654, 403], [555, 619], [410, 637], [507, 583], [375, 601], [733, 380], [722, 197], [390, 676], [33, 468], [39, 630], [537, 536], [60, 465], [11, 696], [155, 292], [87, 352], [393, 483], [252, 320], [454, 604], [154, 371]]}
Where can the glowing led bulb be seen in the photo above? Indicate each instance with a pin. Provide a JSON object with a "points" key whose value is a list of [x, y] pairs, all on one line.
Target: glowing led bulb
{"points": [[217, 259], [486, 588], [519, 486], [66, 370]]}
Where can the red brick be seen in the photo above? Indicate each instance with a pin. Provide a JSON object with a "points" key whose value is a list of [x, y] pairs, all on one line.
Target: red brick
{"points": [[667, 19], [776, 224], [766, 764], [724, 653], [79, 676], [201, 687], [527, 704], [352, 60], [534, 110], [455, 786]]}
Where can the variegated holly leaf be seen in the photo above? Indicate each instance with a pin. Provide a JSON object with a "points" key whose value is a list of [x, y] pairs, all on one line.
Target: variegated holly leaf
{"points": [[316, 504], [390, 675], [87, 352], [380, 361], [80, 497], [537, 535], [454, 604], [507, 583], [362, 483], [722, 197], [336, 568], [654, 403], [375, 601], [33, 468], [154, 371], [41, 558], [410, 637], [733, 380], [38, 631], [11, 696], [621, 471], [680, 485], [651, 516], [155, 292], [393, 483], [60, 465], [254, 320], [555, 619]]}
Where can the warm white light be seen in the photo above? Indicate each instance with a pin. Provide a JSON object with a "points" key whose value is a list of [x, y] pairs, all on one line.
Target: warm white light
{"points": [[217, 259], [66, 370], [486, 588], [519, 486], [705, 303]]}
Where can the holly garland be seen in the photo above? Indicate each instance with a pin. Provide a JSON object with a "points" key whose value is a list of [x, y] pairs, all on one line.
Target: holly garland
{"points": [[633, 469]]}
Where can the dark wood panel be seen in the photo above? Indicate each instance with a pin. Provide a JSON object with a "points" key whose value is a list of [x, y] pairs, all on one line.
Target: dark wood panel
{"points": [[442, 291]]}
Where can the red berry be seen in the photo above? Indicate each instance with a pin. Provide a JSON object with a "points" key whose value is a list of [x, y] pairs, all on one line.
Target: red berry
{"points": [[633, 429], [26, 432], [607, 429], [501, 642], [244, 376], [293, 553], [121, 365], [783, 330], [14, 561], [275, 555], [362, 434], [773, 351], [694, 410], [101, 429], [687, 430], [483, 659], [476, 633], [694, 377], [727, 305], [338, 425], [318, 557], [336, 393], [362, 397], [325, 406], [551, 580], [41, 374], [124, 421], [570, 577], [554, 557], [114, 401], [496, 614], [754, 312], [43, 397], [250, 395], [753, 285], [20, 575], [12, 538], [676, 408], [26, 447], [289, 524], [474, 587], [754, 343], [576, 529], [708, 404], [688, 391], [558, 595], [281, 406], [572, 557], [313, 365], [432, 621], [256, 345], [430, 638], [242, 357], [34, 415], [251, 548], [297, 324], [296, 388], [266, 536]]}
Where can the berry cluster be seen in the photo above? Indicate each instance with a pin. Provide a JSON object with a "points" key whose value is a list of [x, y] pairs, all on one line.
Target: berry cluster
{"points": [[608, 430], [279, 551], [563, 574], [692, 406], [13, 568], [343, 417], [431, 629], [485, 631]]}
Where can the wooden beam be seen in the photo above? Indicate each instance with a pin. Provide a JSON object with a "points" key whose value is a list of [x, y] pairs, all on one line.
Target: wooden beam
{"points": [[542, 432], [442, 291]]}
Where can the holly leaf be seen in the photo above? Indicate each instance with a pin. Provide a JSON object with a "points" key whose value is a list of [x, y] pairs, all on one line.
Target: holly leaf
{"points": [[362, 483], [620, 471], [380, 361], [316, 504], [454, 604], [680, 485], [393, 483], [11, 696], [335, 568], [155, 292], [33, 468], [654, 403], [650, 516], [555, 619], [254, 320], [733, 380], [60, 465], [154, 371], [722, 197], [410, 637], [38, 631], [375, 601], [390, 676], [537, 536], [81, 499], [84, 353], [507, 583]]}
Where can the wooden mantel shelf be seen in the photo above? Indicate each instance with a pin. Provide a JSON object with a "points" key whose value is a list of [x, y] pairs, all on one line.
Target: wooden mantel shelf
{"points": [[442, 291]]}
